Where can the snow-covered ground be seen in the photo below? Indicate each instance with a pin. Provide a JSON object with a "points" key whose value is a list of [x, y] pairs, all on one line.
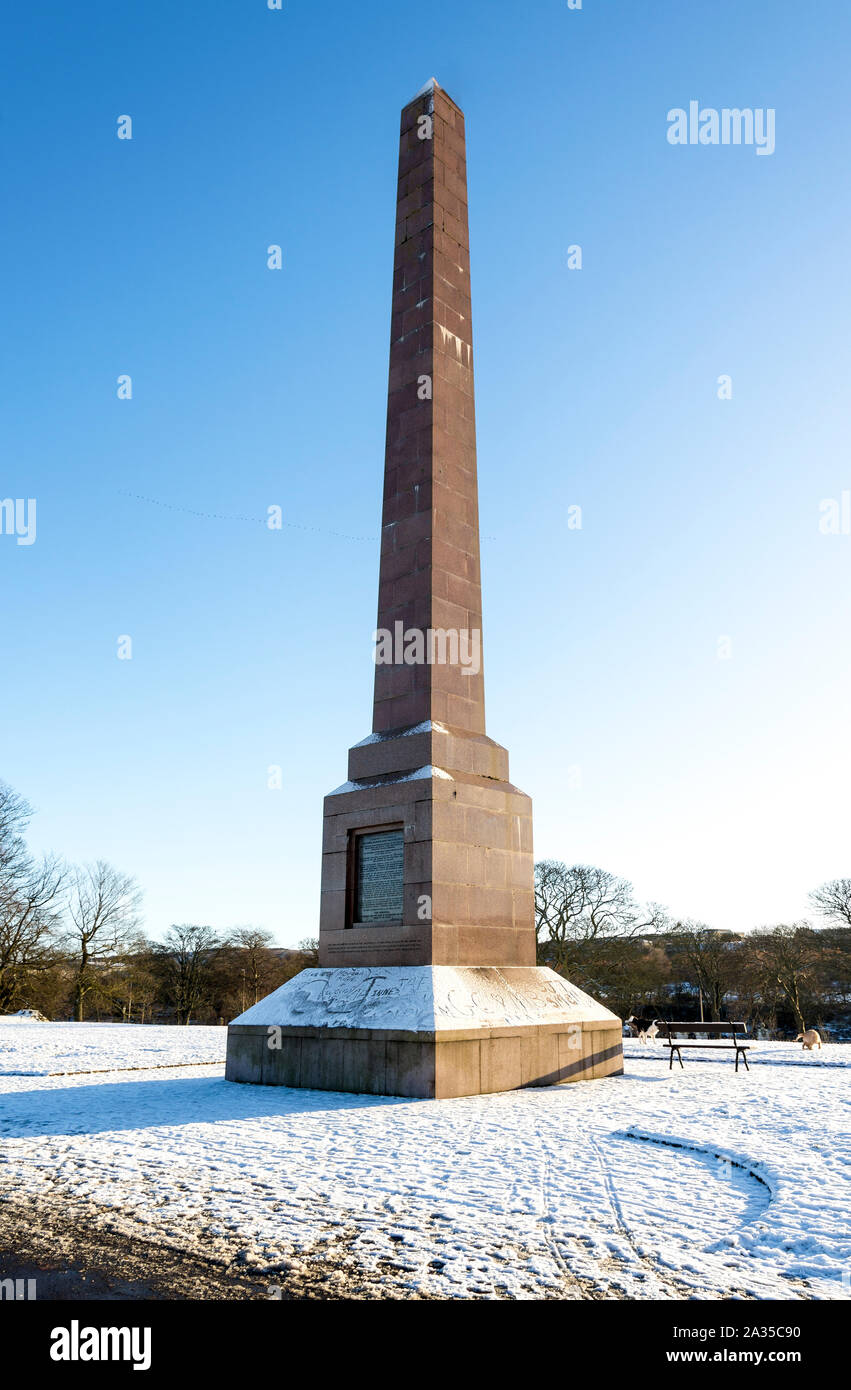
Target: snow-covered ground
{"points": [[44, 1049], [698, 1183]]}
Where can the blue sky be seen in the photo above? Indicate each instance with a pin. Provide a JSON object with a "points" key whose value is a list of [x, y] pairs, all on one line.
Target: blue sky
{"points": [[717, 785]]}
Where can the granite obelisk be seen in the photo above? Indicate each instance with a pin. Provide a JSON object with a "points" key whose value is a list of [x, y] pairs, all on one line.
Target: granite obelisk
{"points": [[427, 983]]}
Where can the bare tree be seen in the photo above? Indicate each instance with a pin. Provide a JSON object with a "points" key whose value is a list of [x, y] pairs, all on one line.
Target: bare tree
{"points": [[30, 908], [708, 960], [627, 973], [833, 901], [580, 904], [30, 902], [15, 816], [186, 958], [254, 960], [758, 996], [104, 913], [128, 984], [792, 959]]}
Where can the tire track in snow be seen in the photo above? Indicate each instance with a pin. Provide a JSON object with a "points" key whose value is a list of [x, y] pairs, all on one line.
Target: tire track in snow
{"points": [[666, 1286], [749, 1167], [578, 1288]]}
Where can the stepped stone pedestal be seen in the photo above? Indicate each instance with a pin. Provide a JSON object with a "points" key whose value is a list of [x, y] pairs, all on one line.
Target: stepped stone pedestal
{"points": [[427, 983]]}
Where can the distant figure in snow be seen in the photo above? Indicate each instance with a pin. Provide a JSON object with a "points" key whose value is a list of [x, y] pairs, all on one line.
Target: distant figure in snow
{"points": [[810, 1039], [642, 1028]]}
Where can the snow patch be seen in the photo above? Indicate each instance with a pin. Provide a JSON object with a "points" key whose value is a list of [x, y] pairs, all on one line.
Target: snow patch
{"points": [[424, 999], [429, 87], [421, 772], [424, 728]]}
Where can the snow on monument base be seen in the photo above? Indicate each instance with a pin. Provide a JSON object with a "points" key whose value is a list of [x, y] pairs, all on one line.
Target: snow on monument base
{"points": [[430, 1031]]}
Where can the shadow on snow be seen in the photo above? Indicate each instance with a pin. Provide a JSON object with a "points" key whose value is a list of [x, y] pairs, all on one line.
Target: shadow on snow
{"points": [[131, 1105]]}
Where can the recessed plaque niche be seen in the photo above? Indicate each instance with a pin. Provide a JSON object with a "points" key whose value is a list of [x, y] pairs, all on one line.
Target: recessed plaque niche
{"points": [[378, 877]]}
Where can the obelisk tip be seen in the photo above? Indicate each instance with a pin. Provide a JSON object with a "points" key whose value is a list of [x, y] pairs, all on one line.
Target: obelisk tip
{"points": [[429, 87]]}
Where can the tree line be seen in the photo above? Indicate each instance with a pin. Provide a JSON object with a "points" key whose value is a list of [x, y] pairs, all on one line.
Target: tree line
{"points": [[72, 945], [636, 959]]}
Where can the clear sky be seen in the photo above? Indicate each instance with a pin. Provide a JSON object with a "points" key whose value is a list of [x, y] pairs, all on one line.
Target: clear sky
{"points": [[718, 785]]}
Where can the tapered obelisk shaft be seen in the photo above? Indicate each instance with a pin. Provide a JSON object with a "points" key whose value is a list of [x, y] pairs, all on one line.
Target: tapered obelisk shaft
{"points": [[430, 578]]}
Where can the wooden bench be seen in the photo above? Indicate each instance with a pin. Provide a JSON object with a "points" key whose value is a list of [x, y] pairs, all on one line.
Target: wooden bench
{"points": [[670, 1033]]}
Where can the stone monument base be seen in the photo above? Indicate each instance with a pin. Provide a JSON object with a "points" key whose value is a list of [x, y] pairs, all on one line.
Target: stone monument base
{"points": [[431, 1031]]}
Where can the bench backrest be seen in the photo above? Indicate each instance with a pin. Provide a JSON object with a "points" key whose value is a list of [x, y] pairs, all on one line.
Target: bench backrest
{"points": [[709, 1030]]}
